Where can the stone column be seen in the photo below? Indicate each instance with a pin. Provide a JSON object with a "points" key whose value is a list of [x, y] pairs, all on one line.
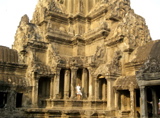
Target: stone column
{"points": [[109, 92], [52, 88], [85, 83], [56, 83], [90, 85], [116, 99], [66, 83], [154, 103], [143, 106], [104, 87], [35, 93], [132, 100], [73, 82]]}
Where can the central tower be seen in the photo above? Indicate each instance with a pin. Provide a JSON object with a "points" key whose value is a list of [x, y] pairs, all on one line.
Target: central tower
{"points": [[85, 42]]}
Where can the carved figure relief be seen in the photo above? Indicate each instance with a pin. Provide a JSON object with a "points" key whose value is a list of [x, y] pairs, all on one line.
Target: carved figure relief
{"points": [[151, 66], [99, 54], [115, 64]]}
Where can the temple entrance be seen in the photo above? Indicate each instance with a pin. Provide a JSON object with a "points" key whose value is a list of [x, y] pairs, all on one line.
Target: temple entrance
{"points": [[138, 102], [3, 99], [149, 102], [153, 101], [19, 100], [102, 83], [43, 89], [83, 81], [61, 84], [79, 77]]}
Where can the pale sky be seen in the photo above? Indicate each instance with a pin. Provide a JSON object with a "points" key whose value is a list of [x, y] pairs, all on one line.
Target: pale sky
{"points": [[11, 12]]}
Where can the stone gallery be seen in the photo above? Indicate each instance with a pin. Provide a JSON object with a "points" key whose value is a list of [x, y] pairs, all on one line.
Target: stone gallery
{"points": [[81, 59]]}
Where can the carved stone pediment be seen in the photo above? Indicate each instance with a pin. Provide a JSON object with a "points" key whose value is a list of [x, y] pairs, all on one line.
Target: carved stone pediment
{"points": [[152, 66], [150, 70], [151, 76]]}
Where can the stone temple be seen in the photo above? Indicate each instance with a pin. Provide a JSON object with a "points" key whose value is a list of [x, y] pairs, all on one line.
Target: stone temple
{"points": [[102, 45]]}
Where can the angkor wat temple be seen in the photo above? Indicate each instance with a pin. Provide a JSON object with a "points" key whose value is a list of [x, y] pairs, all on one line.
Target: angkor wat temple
{"points": [[102, 45]]}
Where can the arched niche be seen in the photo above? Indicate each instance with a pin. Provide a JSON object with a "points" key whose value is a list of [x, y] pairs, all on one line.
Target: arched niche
{"points": [[102, 87]]}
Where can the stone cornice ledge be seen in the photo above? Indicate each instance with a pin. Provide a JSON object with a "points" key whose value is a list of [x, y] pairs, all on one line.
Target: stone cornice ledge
{"points": [[99, 33], [59, 36]]}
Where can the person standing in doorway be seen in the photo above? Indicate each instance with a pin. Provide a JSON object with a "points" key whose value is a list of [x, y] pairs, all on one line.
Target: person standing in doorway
{"points": [[79, 93]]}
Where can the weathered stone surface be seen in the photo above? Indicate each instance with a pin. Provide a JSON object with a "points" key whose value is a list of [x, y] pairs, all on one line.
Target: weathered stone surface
{"points": [[97, 44]]}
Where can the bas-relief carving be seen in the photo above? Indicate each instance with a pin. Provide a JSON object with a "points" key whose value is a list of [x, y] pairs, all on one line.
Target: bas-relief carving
{"points": [[115, 65], [100, 52], [151, 66]]}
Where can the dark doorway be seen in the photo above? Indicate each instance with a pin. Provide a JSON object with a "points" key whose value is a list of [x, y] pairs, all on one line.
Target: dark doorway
{"points": [[19, 100], [61, 84], [3, 99], [149, 102], [102, 88], [79, 77], [44, 88]]}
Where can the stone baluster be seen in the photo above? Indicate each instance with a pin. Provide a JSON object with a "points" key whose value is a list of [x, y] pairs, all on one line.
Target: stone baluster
{"points": [[66, 83]]}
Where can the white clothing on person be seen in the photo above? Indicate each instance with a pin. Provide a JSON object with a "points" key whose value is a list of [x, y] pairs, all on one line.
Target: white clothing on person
{"points": [[78, 90]]}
